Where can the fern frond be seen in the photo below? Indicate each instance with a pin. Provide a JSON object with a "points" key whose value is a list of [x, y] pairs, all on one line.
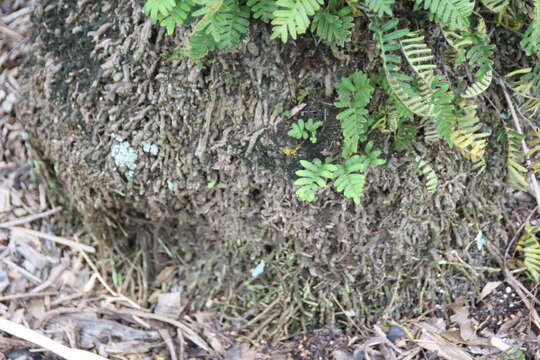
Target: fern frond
{"points": [[333, 28], [263, 9], [480, 55], [351, 178], [452, 13], [534, 152], [479, 86], [516, 171], [418, 55], [399, 83], [292, 17], [495, 5], [527, 85], [351, 175], [381, 7], [200, 45], [531, 39], [456, 40], [469, 139], [409, 97], [158, 8], [354, 93], [430, 176], [313, 177], [404, 136], [445, 117], [529, 246], [225, 20], [474, 49], [177, 16], [208, 8]]}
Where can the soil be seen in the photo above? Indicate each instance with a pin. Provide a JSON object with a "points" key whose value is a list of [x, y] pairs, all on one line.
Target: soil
{"points": [[216, 200]]}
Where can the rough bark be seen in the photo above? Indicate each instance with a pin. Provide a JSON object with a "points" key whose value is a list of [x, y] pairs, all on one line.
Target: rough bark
{"points": [[142, 144]]}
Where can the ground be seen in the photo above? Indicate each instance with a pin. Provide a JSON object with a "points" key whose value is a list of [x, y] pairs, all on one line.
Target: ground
{"points": [[181, 231]]}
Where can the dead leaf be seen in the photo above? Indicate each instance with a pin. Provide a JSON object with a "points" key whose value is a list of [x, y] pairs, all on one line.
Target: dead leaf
{"points": [[166, 274], [240, 352], [169, 304], [461, 318], [342, 355], [36, 307], [436, 325], [204, 317], [128, 347], [443, 348], [466, 324], [499, 344], [488, 288], [4, 198], [295, 110]]}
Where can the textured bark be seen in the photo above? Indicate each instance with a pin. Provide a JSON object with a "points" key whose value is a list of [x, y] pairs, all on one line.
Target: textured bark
{"points": [[210, 177]]}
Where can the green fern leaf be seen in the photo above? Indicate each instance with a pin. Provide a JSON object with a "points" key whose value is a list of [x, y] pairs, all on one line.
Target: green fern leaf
{"points": [[469, 139], [418, 55], [452, 13], [351, 178], [313, 177], [478, 86], [404, 136], [534, 152], [178, 16], [354, 93], [495, 5], [292, 17], [531, 39], [381, 7], [200, 45], [445, 116], [298, 130], [474, 49], [208, 8], [351, 175], [399, 83], [527, 85], [230, 27], [157, 8], [530, 248], [425, 169], [224, 20], [333, 28], [516, 171], [263, 9]]}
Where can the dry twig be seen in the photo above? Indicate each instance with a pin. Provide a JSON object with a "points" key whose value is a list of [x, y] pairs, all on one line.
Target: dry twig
{"points": [[43, 341]]}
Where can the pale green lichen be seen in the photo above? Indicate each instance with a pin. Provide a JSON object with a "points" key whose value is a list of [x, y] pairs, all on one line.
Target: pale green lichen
{"points": [[124, 156], [258, 270], [150, 148]]}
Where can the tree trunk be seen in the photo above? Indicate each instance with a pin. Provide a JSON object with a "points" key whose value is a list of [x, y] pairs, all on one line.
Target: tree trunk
{"points": [[192, 155]]}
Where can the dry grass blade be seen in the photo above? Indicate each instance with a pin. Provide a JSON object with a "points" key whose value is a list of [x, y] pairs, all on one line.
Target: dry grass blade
{"points": [[15, 36], [56, 239], [443, 348], [186, 330], [30, 218], [43, 341]]}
